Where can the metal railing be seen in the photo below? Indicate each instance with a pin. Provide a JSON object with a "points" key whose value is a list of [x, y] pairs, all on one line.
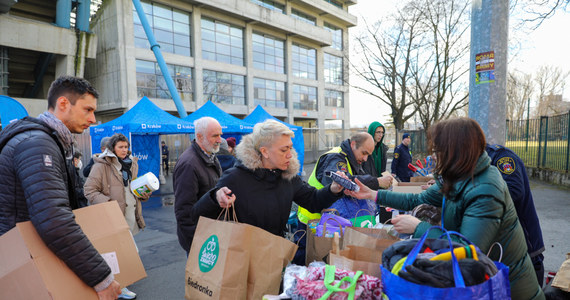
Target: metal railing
{"points": [[541, 143]]}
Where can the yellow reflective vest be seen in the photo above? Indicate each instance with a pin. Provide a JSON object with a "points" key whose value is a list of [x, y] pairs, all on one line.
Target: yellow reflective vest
{"points": [[305, 215]]}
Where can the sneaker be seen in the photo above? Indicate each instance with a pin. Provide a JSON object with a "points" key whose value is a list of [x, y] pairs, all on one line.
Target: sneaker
{"points": [[126, 294]]}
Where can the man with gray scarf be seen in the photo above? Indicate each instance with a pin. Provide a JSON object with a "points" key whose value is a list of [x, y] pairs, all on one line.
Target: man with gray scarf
{"points": [[37, 185]]}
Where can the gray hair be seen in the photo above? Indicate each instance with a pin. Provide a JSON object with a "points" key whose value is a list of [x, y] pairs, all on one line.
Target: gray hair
{"points": [[201, 125], [265, 133], [104, 142]]}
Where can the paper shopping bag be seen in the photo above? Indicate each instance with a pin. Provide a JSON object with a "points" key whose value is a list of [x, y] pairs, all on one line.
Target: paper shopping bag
{"points": [[269, 254], [356, 258], [318, 247], [373, 238], [218, 262]]}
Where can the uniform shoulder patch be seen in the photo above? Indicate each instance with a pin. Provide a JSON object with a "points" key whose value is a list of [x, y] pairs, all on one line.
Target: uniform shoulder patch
{"points": [[396, 155], [341, 166], [506, 165]]}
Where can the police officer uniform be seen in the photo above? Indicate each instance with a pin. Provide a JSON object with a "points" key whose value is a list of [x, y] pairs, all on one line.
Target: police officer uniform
{"points": [[402, 157], [514, 173]]}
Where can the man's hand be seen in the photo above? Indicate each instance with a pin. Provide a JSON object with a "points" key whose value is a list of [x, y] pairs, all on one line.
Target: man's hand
{"points": [[384, 182], [112, 292], [405, 223], [225, 197], [335, 187]]}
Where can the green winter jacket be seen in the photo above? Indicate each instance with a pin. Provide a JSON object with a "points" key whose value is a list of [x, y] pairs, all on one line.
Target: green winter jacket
{"points": [[481, 209]]}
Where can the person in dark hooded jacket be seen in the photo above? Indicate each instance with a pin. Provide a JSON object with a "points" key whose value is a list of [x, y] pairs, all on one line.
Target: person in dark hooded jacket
{"points": [[36, 184], [264, 183]]}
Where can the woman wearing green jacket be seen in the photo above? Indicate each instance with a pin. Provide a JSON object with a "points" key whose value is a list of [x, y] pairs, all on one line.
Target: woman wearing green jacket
{"points": [[477, 201]]}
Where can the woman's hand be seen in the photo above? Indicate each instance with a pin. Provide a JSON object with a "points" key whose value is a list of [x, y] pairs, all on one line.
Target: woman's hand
{"points": [[364, 192], [405, 223], [225, 197], [145, 196]]}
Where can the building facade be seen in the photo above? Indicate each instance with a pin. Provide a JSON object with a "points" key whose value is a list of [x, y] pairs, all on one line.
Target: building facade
{"points": [[288, 56]]}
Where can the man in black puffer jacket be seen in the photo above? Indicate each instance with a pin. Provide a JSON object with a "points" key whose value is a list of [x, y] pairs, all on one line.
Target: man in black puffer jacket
{"points": [[35, 181]]}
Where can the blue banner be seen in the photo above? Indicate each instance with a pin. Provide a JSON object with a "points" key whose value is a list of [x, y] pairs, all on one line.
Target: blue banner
{"points": [[147, 149]]}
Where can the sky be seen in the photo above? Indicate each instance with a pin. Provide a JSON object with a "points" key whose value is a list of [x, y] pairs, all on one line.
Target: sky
{"points": [[542, 46]]}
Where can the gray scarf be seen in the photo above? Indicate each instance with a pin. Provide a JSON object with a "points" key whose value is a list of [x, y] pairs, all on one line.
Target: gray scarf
{"points": [[63, 132]]}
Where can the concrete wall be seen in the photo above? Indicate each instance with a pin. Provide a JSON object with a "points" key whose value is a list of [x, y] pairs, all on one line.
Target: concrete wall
{"points": [[550, 176]]}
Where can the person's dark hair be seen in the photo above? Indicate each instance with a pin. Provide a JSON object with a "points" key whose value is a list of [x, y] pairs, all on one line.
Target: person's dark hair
{"points": [[115, 138], [457, 144], [359, 138], [77, 155], [71, 87]]}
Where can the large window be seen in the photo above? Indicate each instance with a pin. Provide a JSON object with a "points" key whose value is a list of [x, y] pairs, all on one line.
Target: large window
{"points": [[336, 36], [304, 97], [334, 98], [303, 17], [269, 93], [268, 53], [304, 62], [335, 3], [227, 88], [222, 42], [151, 83], [333, 69], [171, 28], [271, 5]]}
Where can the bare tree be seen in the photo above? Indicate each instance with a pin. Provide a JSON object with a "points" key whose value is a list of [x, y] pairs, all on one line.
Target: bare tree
{"points": [[550, 82], [520, 88], [539, 10], [387, 55], [440, 81]]}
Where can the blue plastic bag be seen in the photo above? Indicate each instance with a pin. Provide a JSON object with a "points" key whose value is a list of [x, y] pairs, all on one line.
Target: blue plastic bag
{"points": [[396, 288]]}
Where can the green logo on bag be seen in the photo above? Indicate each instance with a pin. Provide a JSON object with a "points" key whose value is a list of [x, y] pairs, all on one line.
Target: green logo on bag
{"points": [[208, 254]]}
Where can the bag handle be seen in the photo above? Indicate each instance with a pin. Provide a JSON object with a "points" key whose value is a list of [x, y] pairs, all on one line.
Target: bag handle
{"points": [[299, 240], [227, 216], [329, 279], [363, 209], [339, 226], [458, 278], [500, 248]]}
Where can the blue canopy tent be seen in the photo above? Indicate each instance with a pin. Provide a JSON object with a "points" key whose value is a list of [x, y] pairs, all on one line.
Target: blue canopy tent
{"points": [[230, 124], [259, 115], [142, 124], [10, 110]]}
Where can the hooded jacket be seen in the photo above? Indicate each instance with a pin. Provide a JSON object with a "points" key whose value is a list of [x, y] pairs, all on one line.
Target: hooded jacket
{"points": [[34, 187], [105, 183], [263, 196], [376, 163], [481, 209]]}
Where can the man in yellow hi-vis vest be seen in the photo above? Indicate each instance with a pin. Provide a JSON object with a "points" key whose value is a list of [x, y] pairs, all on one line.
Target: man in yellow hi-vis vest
{"points": [[347, 158]]}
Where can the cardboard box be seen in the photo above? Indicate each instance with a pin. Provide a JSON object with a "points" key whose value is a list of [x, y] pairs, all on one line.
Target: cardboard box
{"points": [[421, 178], [407, 189], [411, 183], [29, 270]]}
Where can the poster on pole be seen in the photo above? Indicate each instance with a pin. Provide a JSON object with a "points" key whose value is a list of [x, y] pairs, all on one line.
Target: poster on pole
{"points": [[485, 67]]}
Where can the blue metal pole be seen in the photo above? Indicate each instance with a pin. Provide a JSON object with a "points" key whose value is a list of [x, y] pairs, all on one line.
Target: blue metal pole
{"points": [[155, 47], [63, 13], [82, 18]]}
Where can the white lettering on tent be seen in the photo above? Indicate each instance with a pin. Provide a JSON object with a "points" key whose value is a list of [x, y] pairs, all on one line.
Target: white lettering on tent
{"points": [[142, 156], [150, 126], [117, 128], [99, 130]]}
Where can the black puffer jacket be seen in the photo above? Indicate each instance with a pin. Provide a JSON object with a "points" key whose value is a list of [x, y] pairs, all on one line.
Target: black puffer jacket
{"points": [[263, 196], [34, 186]]}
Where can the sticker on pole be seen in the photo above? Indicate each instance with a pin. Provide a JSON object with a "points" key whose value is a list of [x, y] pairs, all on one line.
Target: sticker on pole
{"points": [[208, 254]]}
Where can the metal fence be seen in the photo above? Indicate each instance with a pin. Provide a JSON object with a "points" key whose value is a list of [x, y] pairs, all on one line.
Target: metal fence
{"points": [[541, 143]]}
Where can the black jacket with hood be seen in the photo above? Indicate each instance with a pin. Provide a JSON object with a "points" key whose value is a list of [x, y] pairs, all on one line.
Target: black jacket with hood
{"points": [[35, 186], [263, 196]]}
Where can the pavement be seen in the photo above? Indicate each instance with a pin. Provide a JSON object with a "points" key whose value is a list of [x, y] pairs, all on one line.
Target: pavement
{"points": [[165, 260]]}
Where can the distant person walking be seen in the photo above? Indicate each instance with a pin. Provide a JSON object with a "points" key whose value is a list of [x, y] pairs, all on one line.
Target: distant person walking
{"points": [[402, 157], [89, 165], [165, 154]]}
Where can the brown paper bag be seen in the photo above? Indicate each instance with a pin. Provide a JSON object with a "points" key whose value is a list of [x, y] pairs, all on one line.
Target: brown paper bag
{"points": [[372, 238], [562, 278], [269, 255], [218, 262], [247, 265], [356, 258], [318, 247]]}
